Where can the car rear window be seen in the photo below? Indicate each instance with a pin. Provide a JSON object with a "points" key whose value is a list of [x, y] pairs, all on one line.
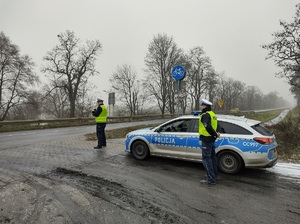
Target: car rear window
{"points": [[262, 130], [223, 127], [229, 128]]}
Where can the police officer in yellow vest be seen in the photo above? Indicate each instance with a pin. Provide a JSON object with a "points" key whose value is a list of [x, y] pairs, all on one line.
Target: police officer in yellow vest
{"points": [[207, 130], [101, 117]]}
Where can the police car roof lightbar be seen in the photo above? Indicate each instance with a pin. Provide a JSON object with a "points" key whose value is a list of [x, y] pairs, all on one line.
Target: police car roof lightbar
{"points": [[196, 112]]}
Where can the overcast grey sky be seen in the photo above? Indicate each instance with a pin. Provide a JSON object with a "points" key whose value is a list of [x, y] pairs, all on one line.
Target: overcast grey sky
{"points": [[230, 32]]}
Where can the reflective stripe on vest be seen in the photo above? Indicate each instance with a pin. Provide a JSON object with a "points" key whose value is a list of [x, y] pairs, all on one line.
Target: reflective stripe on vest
{"points": [[213, 121], [102, 116]]}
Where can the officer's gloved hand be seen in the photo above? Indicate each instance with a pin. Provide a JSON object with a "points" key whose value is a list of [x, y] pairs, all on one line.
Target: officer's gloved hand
{"points": [[93, 112]]}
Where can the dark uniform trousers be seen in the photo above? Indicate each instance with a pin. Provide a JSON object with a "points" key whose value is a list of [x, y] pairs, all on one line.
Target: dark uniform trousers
{"points": [[100, 131]]}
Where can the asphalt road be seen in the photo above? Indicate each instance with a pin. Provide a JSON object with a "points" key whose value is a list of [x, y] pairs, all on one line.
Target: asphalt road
{"points": [[56, 176], [18, 138]]}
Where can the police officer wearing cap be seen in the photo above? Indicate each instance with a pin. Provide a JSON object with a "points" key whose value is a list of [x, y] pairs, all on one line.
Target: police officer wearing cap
{"points": [[100, 117], [207, 130]]}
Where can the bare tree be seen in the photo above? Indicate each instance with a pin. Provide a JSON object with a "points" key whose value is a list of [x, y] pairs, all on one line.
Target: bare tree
{"points": [[251, 98], [69, 65], [271, 100], [85, 100], [162, 55], [198, 70], [124, 82], [236, 89], [55, 102], [32, 105], [229, 90], [16, 74], [211, 83], [29, 108], [285, 51]]}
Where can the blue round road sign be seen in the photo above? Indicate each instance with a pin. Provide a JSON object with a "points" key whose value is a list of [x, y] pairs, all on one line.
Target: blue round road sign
{"points": [[178, 72]]}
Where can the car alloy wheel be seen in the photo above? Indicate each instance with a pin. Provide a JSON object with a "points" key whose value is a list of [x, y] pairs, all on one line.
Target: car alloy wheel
{"points": [[229, 162], [140, 150]]}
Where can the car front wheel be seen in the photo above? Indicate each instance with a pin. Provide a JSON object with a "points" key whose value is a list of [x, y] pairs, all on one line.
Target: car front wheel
{"points": [[140, 150], [229, 162]]}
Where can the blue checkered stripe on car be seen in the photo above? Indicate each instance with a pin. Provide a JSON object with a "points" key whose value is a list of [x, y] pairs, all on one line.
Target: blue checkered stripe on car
{"points": [[128, 140], [245, 145], [170, 140]]}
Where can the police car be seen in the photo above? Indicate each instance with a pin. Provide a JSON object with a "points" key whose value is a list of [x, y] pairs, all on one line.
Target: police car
{"points": [[244, 143]]}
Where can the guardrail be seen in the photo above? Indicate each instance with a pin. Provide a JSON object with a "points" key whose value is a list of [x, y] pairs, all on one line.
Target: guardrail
{"points": [[43, 123]]}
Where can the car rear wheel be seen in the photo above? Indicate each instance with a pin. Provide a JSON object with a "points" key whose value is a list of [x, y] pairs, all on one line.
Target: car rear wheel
{"points": [[229, 162], [140, 150]]}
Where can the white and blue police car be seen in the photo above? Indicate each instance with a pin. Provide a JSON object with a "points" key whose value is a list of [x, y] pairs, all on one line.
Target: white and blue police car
{"points": [[244, 143]]}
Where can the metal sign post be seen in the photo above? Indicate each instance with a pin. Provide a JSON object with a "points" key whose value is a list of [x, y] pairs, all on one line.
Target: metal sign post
{"points": [[111, 101], [178, 73]]}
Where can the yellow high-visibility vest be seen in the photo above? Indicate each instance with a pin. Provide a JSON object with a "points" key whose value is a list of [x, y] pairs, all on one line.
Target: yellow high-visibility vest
{"points": [[214, 123], [102, 116]]}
